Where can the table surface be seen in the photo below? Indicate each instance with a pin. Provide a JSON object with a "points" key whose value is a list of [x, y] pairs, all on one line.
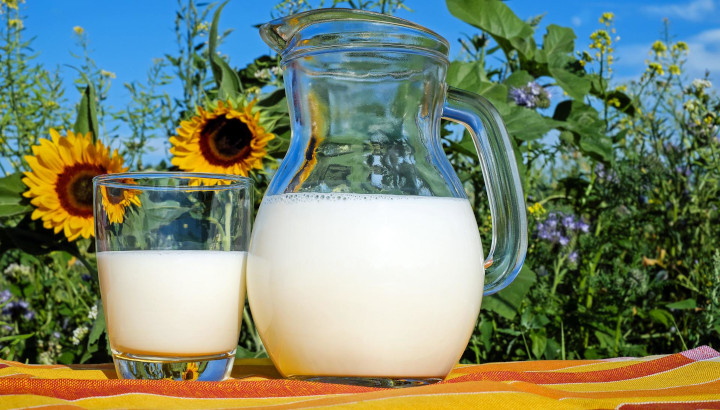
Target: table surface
{"points": [[686, 380]]}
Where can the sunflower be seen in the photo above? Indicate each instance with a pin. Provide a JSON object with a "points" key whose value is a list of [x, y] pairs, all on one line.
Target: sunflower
{"points": [[191, 372], [60, 181], [225, 140], [115, 200]]}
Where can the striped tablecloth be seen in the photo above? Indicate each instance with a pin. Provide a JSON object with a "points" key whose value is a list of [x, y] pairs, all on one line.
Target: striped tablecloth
{"points": [[687, 380]]}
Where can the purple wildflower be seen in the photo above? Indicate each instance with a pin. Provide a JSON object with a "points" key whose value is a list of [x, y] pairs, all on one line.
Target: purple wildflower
{"points": [[56, 335], [5, 295], [605, 175], [531, 95], [573, 256], [569, 221], [558, 228], [18, 308], [522, 97], [86, 277], [582, 226], [683, 170]]}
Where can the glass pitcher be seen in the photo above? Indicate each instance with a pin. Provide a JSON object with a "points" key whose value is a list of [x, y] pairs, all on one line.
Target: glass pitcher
{"points": [[365, 265]]}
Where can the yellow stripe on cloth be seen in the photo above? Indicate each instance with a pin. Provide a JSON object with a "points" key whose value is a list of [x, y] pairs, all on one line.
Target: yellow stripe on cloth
{"points": [[687, 375]]}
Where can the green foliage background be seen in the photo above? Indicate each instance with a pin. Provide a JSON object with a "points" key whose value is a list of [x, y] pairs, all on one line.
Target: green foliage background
{"points": [[636, 163]]}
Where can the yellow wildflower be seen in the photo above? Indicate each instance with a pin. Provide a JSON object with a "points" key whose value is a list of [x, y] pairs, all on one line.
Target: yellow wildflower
{"points": [[614, 102], [601, 40], [536, 209], [78, 30], [109, 74], [607, 18], [656, 68], [659, 48], [12, 4], [621, 88], [17, 23], [674, 69], [680, 46]]}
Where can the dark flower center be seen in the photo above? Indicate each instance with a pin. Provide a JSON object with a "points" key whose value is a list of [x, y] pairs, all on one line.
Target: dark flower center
{"points": [[74, 189], [114, 195], [225, 141]]}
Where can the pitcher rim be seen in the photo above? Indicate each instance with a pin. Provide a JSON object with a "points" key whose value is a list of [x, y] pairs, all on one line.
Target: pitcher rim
{"points": [[279, 32]]}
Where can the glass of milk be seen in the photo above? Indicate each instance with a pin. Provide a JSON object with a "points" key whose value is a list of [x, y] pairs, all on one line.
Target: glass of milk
{"points": [[171, 251]]}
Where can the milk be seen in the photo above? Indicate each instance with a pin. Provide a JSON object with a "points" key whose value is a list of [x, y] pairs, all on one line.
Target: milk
{"points": [[365, 285], [173, 303]]}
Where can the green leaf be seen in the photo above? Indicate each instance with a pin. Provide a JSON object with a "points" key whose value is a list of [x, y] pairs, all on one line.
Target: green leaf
{"points": [[275, 99], [66, 358], [16, 338], [583, 121], [661, 316], [605, 339], [507, 302], [539, 342], [486, 332], [683, 304], [575, 86], [463, 74], [11, 199], [498, 20], [558, 44], [86, 120], [99, 325], [525, 124], [226, 79], [468, 76], [598, 147]]}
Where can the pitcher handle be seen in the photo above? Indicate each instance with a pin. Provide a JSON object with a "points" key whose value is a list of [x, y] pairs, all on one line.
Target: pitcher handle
{"points": [[502, 182]]}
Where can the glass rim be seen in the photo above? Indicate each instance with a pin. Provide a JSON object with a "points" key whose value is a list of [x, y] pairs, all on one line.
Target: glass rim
{"points": [[117, 180]]}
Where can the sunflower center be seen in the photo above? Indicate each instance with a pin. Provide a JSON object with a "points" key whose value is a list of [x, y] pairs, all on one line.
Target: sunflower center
{"points": [[114, 195], [225, 141], [74, 188]]}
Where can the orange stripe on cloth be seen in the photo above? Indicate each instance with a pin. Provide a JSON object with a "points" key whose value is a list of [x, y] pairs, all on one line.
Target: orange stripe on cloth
{"points": [[622, 373], [75, 389]]}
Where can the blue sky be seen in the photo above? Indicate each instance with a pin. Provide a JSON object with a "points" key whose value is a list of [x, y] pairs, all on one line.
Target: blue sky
{"points": [[126, 35]]}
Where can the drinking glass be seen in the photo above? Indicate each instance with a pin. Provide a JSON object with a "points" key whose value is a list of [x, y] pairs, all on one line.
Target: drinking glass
{"points": [[171, 251]]}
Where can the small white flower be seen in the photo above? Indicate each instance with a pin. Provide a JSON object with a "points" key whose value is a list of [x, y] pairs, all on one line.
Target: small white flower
{"points": [[701, 84], [15, 270], [79, 334], [92, 315], [263, 74], [276, 71], [45, 358]]}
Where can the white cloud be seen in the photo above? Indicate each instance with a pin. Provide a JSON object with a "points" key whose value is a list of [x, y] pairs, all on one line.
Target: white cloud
{"points": [[709, 36], [704, 54], [576, 21], [695, 10]]}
